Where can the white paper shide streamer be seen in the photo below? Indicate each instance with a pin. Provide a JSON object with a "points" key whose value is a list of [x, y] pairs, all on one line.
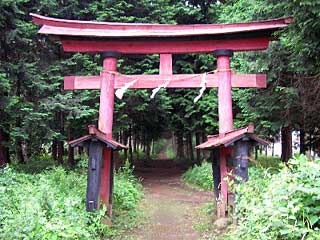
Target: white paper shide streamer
{"points": [[156, 90], [203, 85], [120, 92]]}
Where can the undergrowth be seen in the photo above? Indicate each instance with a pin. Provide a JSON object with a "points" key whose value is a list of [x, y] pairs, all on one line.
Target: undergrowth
{"points": [[50, 204], [278, 202], [283, 205], [200, 176]]}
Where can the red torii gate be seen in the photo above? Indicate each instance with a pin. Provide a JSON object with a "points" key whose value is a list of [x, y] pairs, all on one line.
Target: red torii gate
{"points": [[113, 39]]}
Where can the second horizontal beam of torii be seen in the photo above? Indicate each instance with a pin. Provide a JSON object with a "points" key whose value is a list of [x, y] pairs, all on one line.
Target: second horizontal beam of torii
{"points": [[175, 80]]}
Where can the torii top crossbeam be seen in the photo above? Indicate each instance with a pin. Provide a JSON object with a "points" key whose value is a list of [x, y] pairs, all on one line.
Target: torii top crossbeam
{"points": [[88, 36]]}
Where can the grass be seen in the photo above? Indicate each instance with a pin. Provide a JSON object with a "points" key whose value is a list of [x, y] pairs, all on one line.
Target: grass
{"points": [[39, 200]]}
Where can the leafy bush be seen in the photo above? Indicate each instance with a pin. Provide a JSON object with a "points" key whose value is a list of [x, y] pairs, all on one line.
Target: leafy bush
{"points": [[267, 162], [51, 204], [283, 205], [36, 164], [170, 153], [200, 176], [128, 190]]}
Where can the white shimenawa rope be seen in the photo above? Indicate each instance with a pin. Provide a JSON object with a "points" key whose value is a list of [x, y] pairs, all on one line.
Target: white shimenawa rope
{"points": [[156, 90], [120, 92], [203, 87]]}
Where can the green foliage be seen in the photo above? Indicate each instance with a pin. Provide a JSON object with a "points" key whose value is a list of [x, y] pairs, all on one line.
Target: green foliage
{"points": [[128, 190], [267, 162], [36, 165], [158, 145], [278, 201], [282, 205], [170, 152], [292, 65], [200, 176], [51, 205]]}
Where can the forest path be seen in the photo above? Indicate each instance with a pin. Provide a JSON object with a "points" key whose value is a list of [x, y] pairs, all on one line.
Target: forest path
{"points": [[172, 209], [163, 151]]}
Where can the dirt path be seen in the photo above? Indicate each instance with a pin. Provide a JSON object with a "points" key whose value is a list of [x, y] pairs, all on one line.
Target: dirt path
{"points": [[171, 208], [162, 154]]}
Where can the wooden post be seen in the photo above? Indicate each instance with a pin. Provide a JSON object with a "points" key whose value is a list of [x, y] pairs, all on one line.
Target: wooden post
{"points": [[165, 64], [225, 117], [241, 158], [111, 183], [93, 178], [216, 173], [106, 120], [224, 90]]}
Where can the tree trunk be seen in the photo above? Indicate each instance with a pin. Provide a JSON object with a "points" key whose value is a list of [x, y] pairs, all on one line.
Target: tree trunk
{"points": [[286, 143], [266, 151], [144, 144], [180, 146], [24, 149], [173, 142], [60, 143], [302, 142], [4, 150], [256, 152], [273, 148], [54, 150], [3, 157], [198, 150], [60, 152], [125, 142], [135, 142], [80, 150], [152, 147], [148, 157], [130, 146], [190, 147], [20, 152], [71, 161], [260, 150]]}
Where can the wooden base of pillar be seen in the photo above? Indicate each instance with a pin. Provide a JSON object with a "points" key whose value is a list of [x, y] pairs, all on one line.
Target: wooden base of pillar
{"points": [[221, 209], [106, 180]]}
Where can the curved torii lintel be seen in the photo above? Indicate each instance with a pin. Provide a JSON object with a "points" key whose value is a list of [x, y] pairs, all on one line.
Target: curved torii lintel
{"points": [[90, 36]]}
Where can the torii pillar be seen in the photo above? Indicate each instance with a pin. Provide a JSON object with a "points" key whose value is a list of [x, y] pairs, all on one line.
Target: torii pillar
{"points": [[105, 122], [225, 113]]}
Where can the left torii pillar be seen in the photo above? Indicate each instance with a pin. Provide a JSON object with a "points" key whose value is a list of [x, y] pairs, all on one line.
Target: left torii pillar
{"points": [[107, 83]]}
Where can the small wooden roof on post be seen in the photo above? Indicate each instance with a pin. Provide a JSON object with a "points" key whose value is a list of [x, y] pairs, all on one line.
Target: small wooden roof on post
{"points": [[229, 138], [95, 134]]}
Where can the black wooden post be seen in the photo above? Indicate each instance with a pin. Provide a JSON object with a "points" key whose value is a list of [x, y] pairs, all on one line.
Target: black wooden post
{"points": [[241, 158], [111, 184], [94, 171], [216, 173]]}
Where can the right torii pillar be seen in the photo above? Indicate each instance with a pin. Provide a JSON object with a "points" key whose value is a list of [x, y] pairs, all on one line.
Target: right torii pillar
{"points": [[225, 118]]}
